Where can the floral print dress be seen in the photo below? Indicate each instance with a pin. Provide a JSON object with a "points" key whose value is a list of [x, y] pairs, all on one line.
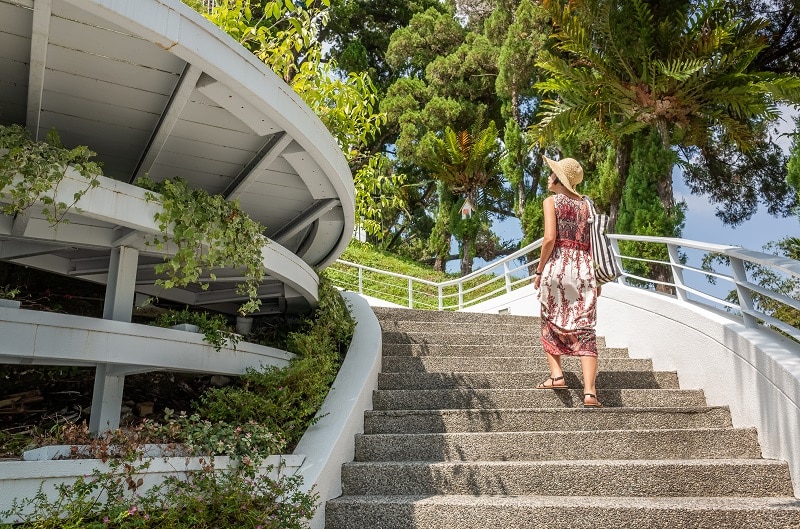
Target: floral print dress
{"points": [[568, 292]]}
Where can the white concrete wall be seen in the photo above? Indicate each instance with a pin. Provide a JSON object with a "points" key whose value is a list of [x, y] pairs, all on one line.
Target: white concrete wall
{"points": [[756, 372], [330, 442]]}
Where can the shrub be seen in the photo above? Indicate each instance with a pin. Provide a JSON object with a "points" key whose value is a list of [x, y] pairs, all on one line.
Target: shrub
{"points": [[287, 398], [215, 327]]}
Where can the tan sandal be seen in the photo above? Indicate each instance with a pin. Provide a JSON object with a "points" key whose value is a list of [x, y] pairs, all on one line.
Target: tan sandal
{"points": [[553, 384]]}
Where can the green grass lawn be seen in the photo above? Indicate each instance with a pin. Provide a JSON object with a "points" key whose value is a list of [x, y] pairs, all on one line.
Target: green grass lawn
{"points": [[395, 289]]}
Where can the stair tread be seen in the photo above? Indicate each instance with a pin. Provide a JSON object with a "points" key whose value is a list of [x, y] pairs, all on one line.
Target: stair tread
{"points": [[700, 462], [575, 512], [641, 431], [699, 443], [559, 502], [630, 410]]}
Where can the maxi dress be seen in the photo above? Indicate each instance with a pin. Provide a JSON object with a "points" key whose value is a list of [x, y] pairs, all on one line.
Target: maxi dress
{"points": [[568, 290]]}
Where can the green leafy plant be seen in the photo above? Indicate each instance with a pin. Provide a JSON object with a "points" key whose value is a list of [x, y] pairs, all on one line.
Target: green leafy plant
{"points": [[244, 495], [31, 172], [215, 328], [209, 232], [8, 292], [287, 399]]}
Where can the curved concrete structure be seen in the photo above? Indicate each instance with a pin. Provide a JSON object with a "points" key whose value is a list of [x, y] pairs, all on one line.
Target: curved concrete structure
{"points": [[33, 337], [155, 89]]}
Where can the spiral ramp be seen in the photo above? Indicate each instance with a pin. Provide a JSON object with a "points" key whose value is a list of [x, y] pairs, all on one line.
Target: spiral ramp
{"points": [[155, 89]]}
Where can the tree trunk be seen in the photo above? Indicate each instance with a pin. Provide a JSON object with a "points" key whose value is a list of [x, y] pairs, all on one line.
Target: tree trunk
{"points": [[470, 235], [665, 195], [440, 263], [664, 187], [466, 256], [622, 164]]}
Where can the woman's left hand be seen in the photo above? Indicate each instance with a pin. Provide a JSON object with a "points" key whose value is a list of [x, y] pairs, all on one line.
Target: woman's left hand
{"points": [[537, 281]]}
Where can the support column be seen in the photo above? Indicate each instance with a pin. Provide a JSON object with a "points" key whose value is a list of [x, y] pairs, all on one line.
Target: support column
{"points": [[108, 386], [118, 304]]}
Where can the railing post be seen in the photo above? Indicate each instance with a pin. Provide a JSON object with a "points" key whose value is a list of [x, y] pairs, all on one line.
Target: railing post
{"points": [[460, 296], [742, 292], [618, 258], [507, 274], [441, 298], [677, 272], [360, 280], [410, 293]]}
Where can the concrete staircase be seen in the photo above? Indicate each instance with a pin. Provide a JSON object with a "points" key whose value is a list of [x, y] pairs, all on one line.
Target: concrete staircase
{"points": [[459, 438]]}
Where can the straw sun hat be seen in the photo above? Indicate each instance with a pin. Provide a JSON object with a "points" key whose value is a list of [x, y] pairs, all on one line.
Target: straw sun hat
{"points": [[568, 171]]}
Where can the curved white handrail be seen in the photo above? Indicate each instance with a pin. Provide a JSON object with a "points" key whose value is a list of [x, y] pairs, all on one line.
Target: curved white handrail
{"points": [[689, 283]]}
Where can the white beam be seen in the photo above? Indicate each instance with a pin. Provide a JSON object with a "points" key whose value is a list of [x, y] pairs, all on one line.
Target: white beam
{"points": [[306, 217], [181, 95], [271, 149], [40, 34], [121, 281]]}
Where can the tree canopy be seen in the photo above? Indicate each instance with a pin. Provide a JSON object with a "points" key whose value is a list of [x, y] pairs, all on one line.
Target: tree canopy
{"points": [[631, 88]]}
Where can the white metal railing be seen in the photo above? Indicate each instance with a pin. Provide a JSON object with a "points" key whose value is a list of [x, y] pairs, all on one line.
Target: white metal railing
{"points": [[684, 277]]}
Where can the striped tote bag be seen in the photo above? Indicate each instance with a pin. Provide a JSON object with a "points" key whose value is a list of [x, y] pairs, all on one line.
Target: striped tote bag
{"points": [[605, 266]]}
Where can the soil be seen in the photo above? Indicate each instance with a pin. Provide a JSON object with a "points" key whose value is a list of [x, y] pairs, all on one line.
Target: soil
{"points": [[54, 395]]}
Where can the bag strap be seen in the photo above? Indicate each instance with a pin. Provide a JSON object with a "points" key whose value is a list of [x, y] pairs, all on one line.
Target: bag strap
{"points": [[592, 211]]}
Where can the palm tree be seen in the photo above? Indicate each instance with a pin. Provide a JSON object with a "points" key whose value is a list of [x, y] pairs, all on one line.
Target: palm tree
{"points": [[683, 69], [468, 164]]}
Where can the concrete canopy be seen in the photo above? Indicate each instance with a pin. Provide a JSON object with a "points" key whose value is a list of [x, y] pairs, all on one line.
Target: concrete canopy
{"points": [[157, 90]]}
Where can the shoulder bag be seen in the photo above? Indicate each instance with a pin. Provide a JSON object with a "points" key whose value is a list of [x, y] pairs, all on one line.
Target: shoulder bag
{"points": [[605, 266]]}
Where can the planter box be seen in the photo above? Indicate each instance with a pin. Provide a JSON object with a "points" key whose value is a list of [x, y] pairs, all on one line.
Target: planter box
{"points": [[23, 479], [10, 303]]}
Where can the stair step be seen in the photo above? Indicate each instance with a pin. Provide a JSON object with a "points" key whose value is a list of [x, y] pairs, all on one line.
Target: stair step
{"points": [[388, 314], [574, 512], [440, 399], [526, 420], [461, 338], [703, 477], [489, 349], [525, 380], [700, 443], [395, 364], [528, 327]]}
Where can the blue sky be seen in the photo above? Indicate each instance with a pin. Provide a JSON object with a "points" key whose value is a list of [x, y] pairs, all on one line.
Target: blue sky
{"points": [[703, 225]]}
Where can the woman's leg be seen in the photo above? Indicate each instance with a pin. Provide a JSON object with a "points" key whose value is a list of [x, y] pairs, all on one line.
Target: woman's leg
{"points": [[589, 370], [556, 379]]}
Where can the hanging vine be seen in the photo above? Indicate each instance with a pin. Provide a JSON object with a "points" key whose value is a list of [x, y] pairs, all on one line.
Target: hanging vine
{"points": [[31, 171], [209, 232]]}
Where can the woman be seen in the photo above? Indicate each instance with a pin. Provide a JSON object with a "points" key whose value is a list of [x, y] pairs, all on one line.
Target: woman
{"points": [[568, 292]]}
